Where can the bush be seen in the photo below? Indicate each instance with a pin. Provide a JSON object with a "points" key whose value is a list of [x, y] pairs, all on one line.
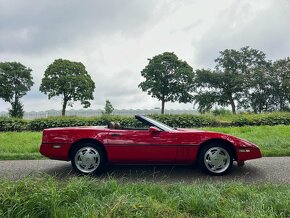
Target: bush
{"points": [[13, 124], [43, 123], [221, 112], [186, 120], [270, 119], [180, 120]]}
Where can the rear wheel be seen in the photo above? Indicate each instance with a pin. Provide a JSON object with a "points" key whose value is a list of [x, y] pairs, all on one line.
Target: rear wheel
{"points": [[87, 158], [215, 159]]}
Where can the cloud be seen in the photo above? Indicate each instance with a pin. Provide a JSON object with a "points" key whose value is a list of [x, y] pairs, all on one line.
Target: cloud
{"points": [[114, 39], [261, 25], [32, 26], [189, 27]]}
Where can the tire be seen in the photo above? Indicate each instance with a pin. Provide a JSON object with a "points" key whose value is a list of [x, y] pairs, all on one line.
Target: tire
{"points": [[215, 159], [87, 158]]}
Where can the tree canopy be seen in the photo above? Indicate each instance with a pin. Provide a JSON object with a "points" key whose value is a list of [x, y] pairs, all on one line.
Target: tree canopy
{"points": [[280, 83], [168, 78], [15, 82], [108, 108], [229, 83], [70, 80]]}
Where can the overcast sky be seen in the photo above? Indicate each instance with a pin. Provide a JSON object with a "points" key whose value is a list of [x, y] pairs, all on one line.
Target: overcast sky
{"points": [[114, 38]]}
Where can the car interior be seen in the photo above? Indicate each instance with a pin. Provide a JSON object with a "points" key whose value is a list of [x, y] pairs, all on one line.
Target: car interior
{"points": [[117, 125]]}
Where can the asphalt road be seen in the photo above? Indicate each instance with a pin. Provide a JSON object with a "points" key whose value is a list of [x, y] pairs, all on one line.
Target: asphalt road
{"points": [[265, 170]]}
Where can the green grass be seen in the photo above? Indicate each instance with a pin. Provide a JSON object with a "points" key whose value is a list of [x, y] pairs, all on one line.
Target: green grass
{"points": [[89, 197], [273, 141], [20, 145]]}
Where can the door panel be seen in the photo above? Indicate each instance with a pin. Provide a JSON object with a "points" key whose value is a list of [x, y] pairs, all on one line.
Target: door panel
{"points": [[141, 146]]}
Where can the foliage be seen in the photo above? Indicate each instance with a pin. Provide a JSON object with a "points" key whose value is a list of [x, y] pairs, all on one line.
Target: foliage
{"points": [[177, 120], [260, 90], [69, 80], [16, 109], [208, 89], [15, 82], [280, 75], [185, 120], [168, 79], [108, 108], [220, 112], [40, 124], [172, 120], [13, 124], [228, 84], [270, 119], [45, 196]]}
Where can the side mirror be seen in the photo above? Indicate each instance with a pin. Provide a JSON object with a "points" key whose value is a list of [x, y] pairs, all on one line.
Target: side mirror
{"points": [[154, 130]]}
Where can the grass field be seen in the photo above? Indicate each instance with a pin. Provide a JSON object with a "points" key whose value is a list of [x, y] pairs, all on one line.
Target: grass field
{"points": [[273, 141], [89, 197], [20, 145]]}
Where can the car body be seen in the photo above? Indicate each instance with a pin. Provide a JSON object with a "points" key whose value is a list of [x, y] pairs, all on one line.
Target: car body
{"points": [[90, 148]]}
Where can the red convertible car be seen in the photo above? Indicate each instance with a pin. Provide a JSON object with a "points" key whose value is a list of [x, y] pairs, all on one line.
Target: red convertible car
{"points": [[90, 148]]}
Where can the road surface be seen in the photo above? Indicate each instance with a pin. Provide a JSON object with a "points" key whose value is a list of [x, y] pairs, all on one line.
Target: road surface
{"points": [[264, 170]]}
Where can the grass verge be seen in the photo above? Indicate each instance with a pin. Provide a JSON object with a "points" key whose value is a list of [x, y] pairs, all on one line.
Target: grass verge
{"points": [[20, 145], [273, 141], [86, 197]]}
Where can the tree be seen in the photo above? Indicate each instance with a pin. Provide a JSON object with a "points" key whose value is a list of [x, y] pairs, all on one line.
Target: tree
{"points": [[168, 79], [108, 108], [260, 92], [70, 80], [280, 74], [208, 89], [16, 109], [229, 83], [15, 82]]}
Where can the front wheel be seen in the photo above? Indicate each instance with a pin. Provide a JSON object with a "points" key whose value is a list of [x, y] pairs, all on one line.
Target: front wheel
{"points": [[87, 158], [215, 159]]}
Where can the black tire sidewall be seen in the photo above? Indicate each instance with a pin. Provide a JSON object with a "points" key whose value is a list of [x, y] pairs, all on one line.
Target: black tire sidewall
{"points": [[87, 144], [202, 152]]}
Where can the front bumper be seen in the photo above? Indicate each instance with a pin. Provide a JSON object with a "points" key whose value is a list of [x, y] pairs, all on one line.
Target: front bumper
{"points": [[248, 153]]}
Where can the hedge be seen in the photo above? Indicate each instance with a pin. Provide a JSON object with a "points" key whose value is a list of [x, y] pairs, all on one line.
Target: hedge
{"points": [[13, 124], [270, 119], [183, 121]]}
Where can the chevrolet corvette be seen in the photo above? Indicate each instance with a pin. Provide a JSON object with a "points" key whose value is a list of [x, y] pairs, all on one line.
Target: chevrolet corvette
{"points": [[91, 148]]}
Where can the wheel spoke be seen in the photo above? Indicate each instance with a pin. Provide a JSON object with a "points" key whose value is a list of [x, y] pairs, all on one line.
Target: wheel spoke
{"points": [[217, 159], [87, 166], [211, 155], [81, 156], [208, 161], [87, 159]]}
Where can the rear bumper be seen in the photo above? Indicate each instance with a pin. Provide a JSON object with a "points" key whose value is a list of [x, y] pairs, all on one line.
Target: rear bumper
{"points": [[57, 151]]}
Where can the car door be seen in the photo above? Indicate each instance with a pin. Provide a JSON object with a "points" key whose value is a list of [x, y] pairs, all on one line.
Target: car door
{"points": [[141, 146]]}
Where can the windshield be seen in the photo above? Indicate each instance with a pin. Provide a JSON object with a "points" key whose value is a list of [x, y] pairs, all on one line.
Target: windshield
{"points": [[158, 124]]}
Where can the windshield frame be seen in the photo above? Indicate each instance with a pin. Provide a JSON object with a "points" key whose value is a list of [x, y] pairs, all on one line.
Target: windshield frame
{"points": [[152, 122]]}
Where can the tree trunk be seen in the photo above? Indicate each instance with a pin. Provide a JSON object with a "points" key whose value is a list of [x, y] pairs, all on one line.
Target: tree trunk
{"points": [[282, 108], [63, 107], [162, 107], [233, 105]]}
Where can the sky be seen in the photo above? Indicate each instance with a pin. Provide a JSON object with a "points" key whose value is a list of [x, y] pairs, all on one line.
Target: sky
{"points": [[115, 38]]}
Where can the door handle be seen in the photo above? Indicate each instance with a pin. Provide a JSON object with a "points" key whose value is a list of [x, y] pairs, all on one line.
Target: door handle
{"points": [[115, 134]]}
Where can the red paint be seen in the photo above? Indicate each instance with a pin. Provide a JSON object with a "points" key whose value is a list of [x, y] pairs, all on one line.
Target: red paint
{"points": [[141, 146]]}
